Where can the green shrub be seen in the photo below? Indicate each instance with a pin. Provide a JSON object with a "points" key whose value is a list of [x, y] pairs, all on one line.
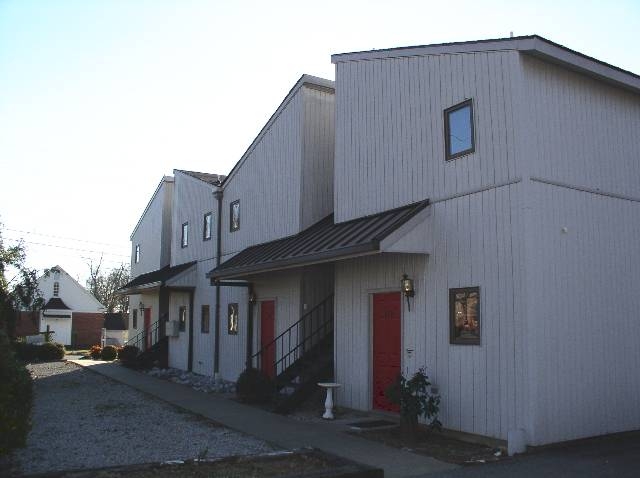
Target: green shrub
{"points": [[25, 352], [253, 386], [128, 355], [109, 352], [16, 397], [50, 351], [95, 352]]}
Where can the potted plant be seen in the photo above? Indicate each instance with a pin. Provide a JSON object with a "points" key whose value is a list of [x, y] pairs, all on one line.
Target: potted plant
{"points": [[416, 398]]}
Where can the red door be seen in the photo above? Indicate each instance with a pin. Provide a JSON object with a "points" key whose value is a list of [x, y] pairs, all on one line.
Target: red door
{"points": [[267, 328], [386, 347], [147, 327]]}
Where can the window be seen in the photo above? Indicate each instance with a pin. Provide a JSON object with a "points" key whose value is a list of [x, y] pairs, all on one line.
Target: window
{"points": [[206, 227], [464, 315], [458, 130], [235, 215], [56, 289], [182, 318], [137, 254], [134, 319], [204, 324], [185, 235], [232, 324]]}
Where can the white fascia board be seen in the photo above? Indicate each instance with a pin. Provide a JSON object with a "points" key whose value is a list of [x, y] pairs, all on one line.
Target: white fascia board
{"points": [[532, 45], [413, 237], [140, 289]]}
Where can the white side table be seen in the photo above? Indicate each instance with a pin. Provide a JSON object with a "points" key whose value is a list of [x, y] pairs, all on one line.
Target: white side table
{"points": [[328, 403]]}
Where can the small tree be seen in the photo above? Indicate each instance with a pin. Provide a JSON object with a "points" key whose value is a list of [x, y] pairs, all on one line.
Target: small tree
{"points": [[103, 286], [416, 399]]}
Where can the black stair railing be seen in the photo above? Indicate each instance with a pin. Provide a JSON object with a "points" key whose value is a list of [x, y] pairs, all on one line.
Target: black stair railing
{"points": [[288, 347], [146, 338]]}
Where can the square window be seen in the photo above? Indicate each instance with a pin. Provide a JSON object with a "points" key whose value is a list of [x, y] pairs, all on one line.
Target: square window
{"points": [[204, 324], [458, 130], [206, 227], [182, 318], [134, 319], [185, 235], [464, 316], [235, 216], [232, 324], [137, 254]]}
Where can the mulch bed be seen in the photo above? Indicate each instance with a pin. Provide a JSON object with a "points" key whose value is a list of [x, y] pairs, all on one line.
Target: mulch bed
{"points": [[436, 445], [307, 463]]}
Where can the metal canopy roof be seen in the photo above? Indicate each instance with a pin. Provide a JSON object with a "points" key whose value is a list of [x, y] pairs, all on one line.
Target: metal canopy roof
{"points": [[152, 279], [325, 241], [56, 303]]}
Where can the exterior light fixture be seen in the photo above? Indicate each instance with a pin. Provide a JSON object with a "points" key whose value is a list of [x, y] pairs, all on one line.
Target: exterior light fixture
{"points": [[252, 297], [141, 306], [407, 288]]}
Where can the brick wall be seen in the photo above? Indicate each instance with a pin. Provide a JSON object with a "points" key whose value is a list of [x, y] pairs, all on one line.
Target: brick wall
{"points": [[27, 323], [86, 329]]}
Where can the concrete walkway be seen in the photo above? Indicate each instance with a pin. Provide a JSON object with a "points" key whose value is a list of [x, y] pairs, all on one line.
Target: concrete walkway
{"points": [[275, 429]]}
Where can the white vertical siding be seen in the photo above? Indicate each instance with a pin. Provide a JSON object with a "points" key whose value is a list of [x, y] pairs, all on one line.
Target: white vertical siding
{"points": [[154, 224], [203, 344], [233, 347], [179, 346], [585, 131], [584, 286], [390, 128], [316, 197], [480, 385]]}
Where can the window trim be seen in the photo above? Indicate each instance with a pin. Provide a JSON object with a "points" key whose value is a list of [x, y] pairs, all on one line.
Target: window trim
{"points": [[202, 316], [204, 226], [182, 324], [184, 239], [231, 228], [452, 332], [447, 140]]}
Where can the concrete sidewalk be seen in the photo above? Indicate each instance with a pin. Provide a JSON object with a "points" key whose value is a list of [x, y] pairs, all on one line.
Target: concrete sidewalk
{"points": [[276, 429]]}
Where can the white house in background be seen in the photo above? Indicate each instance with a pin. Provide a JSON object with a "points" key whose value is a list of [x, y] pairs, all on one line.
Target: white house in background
{"points": [[70, 310]]}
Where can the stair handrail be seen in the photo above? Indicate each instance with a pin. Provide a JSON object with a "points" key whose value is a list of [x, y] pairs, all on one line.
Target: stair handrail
{"points": [[326, 326], [140, 339]]}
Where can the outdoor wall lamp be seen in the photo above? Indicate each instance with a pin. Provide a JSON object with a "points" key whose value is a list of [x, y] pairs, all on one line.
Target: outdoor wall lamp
{"points": [[141, 306], [407, 288], [252, 297]]}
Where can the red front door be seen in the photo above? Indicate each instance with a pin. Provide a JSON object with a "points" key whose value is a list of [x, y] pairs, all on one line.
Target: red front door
{"points": [[267, 332], [386, 347], [147, 327]]}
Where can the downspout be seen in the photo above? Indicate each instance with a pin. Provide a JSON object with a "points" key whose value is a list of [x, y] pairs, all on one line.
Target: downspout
{"points": [[190, 349], [216, 346], [249, 349]]}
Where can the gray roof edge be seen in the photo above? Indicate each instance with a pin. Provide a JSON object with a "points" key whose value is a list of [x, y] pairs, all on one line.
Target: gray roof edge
{"points": [[532, 44]]}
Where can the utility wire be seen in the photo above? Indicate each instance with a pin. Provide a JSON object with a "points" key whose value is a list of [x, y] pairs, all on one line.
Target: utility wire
{"points": [[61, 237], [67, 247]]}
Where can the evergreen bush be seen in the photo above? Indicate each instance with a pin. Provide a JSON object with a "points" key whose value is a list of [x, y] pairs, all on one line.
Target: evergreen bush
{"points": [[50, 351], [109, 352], [128, 355], [16, 398], [254, 386]]}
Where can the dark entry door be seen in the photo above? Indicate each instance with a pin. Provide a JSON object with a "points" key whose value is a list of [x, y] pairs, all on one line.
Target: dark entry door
{"points": [[267, 331], [147, 327], [386, 347]]}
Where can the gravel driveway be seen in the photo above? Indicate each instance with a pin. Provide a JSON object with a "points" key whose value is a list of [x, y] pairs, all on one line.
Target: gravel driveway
{"points": [[83, 420]]}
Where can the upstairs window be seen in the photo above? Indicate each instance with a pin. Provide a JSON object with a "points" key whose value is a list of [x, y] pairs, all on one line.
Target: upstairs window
{"points": [[56, 289], [234, 215], [206, 227], [137, 254], [458, 130], [185, 235]]}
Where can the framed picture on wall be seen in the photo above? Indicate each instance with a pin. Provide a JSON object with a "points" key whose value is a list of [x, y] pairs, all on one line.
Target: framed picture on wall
{"points": [[464, 316]]}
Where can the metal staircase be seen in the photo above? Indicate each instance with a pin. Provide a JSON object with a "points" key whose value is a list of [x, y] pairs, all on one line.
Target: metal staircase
{"points": [[302, 356], [152, 346]]}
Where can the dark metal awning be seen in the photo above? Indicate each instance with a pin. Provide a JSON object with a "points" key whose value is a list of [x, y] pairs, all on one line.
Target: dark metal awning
{"points": [[326, 241], [55, 303], [155, 279]]}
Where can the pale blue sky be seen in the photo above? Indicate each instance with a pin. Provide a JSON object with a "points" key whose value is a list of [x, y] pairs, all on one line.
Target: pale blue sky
{"points": [[100, 99]]}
